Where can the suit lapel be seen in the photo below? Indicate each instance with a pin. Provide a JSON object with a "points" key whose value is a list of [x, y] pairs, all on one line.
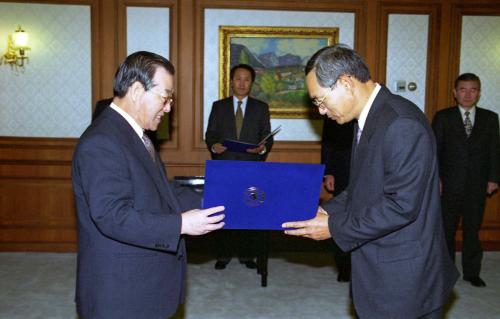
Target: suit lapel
{"points": [[360, 153], [231, 117], [130, 138], [458, 123], [479, 124]]}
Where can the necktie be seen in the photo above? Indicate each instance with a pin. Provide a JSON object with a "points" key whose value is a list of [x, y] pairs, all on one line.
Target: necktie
{"points": [[239, 119], [149, 146], [467, 124]]}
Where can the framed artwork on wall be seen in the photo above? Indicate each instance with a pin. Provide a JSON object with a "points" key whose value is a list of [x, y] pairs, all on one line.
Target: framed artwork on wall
{"points": [[278, 55]]}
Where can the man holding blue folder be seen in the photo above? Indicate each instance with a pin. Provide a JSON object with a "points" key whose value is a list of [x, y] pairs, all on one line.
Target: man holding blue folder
{"points": [[245, 119], [389, 216]]}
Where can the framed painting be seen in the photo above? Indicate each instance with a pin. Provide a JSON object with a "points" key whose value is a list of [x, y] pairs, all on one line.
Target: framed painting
{"points": [[279, 56]]}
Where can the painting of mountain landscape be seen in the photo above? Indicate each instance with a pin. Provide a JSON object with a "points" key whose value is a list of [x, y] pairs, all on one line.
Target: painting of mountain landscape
{"points": [[279, 64], [279, 56]]}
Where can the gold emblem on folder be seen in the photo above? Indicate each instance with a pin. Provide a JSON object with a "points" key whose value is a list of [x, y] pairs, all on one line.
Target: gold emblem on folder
{"points": [[253, 196]]}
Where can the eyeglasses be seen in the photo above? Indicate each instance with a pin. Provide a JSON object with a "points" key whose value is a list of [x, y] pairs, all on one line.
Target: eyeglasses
{"points": [[166, 99], [319, 103]]}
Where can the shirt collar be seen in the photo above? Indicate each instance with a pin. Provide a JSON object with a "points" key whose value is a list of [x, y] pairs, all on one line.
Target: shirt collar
{"points": [[368, 106], [472, 111], [137, 128], [243, 104]]}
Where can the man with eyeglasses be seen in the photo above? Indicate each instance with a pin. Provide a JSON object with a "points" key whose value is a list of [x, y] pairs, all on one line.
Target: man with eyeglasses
{"points": [[389, 217], [131, 224]]}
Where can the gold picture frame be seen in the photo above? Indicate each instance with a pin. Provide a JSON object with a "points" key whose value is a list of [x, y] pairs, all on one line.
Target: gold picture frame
{"points": [[278, 55]]}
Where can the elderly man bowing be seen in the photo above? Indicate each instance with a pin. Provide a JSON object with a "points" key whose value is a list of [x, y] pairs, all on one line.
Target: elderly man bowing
{"points": [[389, 216]]}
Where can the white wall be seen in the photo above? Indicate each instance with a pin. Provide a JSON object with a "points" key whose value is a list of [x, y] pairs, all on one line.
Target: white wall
{"points": [[148, 30], [407, 54], [292, 129], [52, 98], [480, 54]]}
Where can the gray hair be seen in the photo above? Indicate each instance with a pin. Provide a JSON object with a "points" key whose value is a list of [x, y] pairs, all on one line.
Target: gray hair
{"points": [[331, 62]]}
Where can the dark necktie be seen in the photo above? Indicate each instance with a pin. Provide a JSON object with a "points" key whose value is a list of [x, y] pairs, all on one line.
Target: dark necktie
{"points": [[467, 124], [239, 119], [149, 146]]}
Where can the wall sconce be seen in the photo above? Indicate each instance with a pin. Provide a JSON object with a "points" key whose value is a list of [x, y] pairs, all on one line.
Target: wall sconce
{"points": [[17, 44]]}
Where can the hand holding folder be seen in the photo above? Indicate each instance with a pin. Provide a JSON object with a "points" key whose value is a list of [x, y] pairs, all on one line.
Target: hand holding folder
{"points": [[242, 147]]}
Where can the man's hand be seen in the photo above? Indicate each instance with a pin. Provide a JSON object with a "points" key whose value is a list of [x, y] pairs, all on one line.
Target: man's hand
{"points": [[491, 188], [316, 228], [329, 182], [218, 148], [257, 150], [199, 222]]}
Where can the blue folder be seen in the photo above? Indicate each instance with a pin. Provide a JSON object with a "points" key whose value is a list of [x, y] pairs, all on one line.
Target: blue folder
{"points": [[260, 195], [237, 146]]}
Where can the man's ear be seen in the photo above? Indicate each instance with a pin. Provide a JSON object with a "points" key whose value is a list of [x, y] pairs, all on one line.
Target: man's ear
{"points": [[135, 91], [347, 82]]}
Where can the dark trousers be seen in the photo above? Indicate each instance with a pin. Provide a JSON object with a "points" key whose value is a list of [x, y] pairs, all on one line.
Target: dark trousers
{"points": [[470, 208], [244, 244]]}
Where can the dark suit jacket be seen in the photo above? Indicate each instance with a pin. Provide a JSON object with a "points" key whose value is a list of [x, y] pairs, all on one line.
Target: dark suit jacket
{"points": [[222, 125], [131, 257], [467, 163], [102, 105], [336, 145], [390, 216]]}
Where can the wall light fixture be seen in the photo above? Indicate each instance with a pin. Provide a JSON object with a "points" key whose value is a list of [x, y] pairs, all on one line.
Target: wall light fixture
{"points": [[17, 45]]}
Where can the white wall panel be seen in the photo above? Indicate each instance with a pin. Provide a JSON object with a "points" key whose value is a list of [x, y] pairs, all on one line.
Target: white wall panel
{"points": [[52, 98], [407, 54], [292, 129], [148, 29], [480, 54]]}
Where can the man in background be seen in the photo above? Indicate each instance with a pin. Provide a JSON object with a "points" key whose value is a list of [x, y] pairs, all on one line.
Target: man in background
{"points": [[389, 216], [239, 117], [468, 150], [131, 250], [336, 145]]}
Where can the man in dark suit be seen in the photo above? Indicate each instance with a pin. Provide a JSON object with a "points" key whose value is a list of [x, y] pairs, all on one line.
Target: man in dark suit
{"points": [[468, 150], [239, 117], [336, 145], [389, 216], [131, 251]]}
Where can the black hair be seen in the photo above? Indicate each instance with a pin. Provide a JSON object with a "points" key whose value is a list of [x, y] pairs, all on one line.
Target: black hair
{"points": [[468, 77], [141, 67], [242, 66]]}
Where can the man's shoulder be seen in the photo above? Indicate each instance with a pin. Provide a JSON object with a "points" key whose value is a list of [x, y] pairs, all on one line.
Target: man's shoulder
{"points": [[224, 101], [258, 102], [396, 106], [487, 112], [447, 111]]}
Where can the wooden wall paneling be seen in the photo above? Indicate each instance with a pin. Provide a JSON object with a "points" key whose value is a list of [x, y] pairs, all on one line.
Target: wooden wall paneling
{"points": [[433, 11], [294, 151], [36, 198], [458, 10], [490, 230], [172, 142]]}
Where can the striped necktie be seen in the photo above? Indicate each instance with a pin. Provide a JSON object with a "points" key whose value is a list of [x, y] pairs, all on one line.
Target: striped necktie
{"points": [[149, 147]]}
